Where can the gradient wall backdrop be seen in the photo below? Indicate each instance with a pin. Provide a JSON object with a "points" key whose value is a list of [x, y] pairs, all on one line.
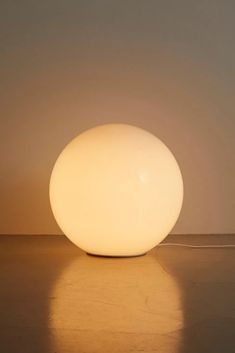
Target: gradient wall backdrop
{"points": [[166, 66]]}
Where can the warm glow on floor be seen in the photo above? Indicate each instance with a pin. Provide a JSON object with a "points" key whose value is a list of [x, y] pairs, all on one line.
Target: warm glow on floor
{"points": [[114, 306]]}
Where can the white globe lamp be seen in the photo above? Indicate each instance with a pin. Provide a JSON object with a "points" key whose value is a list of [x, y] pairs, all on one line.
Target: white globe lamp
{"points": [[116, 190]]}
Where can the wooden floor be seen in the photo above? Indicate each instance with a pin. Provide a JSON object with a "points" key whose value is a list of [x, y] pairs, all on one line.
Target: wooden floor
{"points": [[56, 299]]}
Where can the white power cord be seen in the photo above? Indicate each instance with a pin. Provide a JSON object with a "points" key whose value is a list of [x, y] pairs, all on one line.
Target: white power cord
{"points": [[199, 246]]}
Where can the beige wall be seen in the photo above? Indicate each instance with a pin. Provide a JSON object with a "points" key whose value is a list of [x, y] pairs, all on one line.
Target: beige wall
{"points": [[166, 66]]}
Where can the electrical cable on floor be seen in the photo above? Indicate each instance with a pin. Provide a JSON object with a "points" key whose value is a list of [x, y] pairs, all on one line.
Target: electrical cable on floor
{"points": [[199, 246]]}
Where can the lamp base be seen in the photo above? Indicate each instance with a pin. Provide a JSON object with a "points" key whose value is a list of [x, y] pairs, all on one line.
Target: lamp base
{"points": [[115, 256]]}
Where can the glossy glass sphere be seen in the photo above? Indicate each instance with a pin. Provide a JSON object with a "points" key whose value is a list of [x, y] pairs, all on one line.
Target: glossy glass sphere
{"points": [[116, 190]]}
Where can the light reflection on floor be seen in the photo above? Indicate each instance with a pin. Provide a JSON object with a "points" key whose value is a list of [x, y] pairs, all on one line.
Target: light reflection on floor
{"points": [[56, 299], [103, 305]]}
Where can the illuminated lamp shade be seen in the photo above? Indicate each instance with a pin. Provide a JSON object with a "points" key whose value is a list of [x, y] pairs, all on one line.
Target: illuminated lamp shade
{"points": [[116, 190]]}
